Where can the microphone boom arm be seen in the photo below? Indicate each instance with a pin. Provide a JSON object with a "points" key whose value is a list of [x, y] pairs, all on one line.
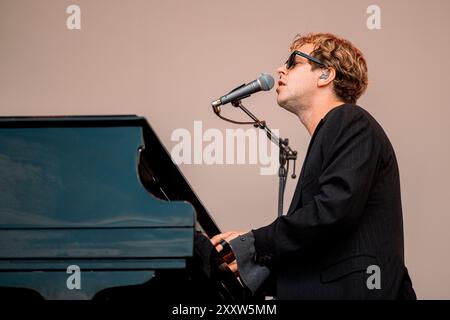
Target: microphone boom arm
{"points": [[286, 153]]}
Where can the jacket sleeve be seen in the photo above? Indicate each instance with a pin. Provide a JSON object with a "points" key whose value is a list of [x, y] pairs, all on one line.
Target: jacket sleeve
{"points": [[350, 159], [252, 274]]}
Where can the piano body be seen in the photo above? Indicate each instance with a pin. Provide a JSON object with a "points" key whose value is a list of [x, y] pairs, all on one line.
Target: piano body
{"points": [[93, 207]]}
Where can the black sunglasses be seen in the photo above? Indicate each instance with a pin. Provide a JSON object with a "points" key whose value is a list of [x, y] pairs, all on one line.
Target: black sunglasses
{"points": [[290, 63]]}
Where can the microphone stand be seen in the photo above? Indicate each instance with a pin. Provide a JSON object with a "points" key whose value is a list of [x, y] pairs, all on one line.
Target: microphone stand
{"points": [[286, 153]]}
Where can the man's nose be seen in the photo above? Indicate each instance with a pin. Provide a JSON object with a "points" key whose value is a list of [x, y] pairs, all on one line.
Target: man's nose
{"points": [[282, 70]]}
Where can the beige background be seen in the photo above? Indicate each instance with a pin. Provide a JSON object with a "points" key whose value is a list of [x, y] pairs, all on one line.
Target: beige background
{"points": [[167, 60]]}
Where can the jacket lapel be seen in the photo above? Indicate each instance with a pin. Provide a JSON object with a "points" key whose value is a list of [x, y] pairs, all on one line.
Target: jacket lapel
{"points": [[297, 198]]}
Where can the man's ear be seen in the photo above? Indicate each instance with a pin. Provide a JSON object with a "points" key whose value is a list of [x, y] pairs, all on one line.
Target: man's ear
{"points": [[326, 76]]}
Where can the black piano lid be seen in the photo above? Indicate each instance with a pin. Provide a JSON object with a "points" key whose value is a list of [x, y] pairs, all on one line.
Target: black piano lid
{"points": [[72, 121], [157, 172], [100, 192], [47, 167]]}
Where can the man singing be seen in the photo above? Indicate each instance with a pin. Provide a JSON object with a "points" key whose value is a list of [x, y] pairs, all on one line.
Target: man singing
{"points": [[342, 237]]}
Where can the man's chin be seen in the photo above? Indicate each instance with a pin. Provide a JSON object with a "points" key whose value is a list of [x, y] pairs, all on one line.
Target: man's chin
{"points": [[283, 104], [286, 106]]}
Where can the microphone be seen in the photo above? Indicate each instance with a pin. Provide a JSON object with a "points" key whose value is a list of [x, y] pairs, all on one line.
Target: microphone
{"points": [[265, 82]]}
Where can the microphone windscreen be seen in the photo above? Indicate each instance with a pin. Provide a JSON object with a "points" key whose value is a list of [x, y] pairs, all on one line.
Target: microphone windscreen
{"points": [[266, 81]]}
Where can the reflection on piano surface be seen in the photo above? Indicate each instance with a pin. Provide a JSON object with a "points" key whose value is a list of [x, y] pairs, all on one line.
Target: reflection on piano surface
{"points": [[101, 193]]}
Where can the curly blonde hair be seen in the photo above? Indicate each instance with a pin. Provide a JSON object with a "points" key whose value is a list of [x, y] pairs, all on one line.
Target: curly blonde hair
{"points": [[348, 61]]}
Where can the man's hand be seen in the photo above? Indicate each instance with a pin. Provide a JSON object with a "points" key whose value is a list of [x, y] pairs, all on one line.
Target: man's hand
{"points": [[227, 236]]}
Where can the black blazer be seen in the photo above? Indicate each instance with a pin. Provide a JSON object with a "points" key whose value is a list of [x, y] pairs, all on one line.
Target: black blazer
{"points": [[345, 216]]}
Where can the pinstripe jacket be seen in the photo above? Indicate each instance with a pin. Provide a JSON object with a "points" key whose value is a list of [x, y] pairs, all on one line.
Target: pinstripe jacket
{"points": [[342, 237]]}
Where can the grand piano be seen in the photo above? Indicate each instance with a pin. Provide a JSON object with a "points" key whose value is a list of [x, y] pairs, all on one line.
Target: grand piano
{"points": [[93, 207]]}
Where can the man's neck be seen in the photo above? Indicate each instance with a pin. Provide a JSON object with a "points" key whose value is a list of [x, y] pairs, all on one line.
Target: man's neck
{"points": [[311, 116]]}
